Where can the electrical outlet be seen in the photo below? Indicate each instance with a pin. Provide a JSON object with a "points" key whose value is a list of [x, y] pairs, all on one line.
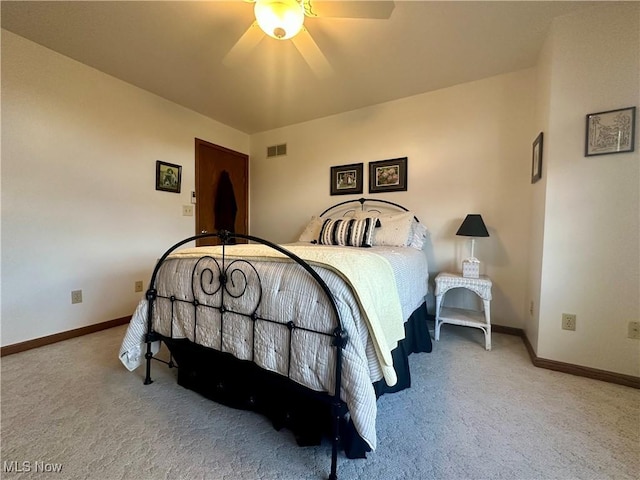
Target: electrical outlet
{"points": [[187, 210], [76, 296], [634, 330], [138, 287], [568, 321]]}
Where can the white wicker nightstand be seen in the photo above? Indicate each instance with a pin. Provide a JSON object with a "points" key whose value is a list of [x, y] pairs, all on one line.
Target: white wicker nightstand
{"points": [[461, 316]]}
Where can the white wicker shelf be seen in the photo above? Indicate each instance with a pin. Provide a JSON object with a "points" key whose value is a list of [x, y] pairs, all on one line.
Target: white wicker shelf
{"points": [[462, 316]]}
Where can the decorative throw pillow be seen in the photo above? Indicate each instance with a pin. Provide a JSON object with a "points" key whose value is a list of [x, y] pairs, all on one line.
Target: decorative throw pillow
{"points": [[418, 235], [311, 232], [394, 231], [347, 232], [362, 214]]}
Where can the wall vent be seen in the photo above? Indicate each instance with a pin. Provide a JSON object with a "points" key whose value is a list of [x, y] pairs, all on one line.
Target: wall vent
{"points": [[277, 150]]}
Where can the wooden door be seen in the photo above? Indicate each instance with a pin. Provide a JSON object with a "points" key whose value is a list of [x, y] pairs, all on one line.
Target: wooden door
{"points": [[211, 163]]}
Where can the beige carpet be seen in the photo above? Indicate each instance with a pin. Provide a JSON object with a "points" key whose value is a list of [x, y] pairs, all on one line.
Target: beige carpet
{"points": [[470, 414]]}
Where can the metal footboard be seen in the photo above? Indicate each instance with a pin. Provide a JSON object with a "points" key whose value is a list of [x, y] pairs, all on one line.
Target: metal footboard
{"points": [[226, 279]]}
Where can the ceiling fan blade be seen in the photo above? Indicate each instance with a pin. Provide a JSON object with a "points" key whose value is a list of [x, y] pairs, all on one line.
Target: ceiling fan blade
{"points": [[312, 54], [243, 46], [349, 9]]}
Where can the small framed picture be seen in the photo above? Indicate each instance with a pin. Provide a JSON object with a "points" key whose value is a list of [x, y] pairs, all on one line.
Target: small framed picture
{"points": [[168, 176], [388, 175], [612, 131], [536, 160], [346, 179]]}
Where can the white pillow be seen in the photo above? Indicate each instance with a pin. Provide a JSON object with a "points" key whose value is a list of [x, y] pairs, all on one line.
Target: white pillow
{"points": [[394, 230], [418, 235], [311, 232]]}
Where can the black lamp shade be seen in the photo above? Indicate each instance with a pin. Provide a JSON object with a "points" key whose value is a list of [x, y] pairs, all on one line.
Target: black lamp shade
{"points": [[473, 226]]}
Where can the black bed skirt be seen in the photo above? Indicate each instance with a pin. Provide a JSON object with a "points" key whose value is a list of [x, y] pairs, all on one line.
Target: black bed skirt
{"points": [[241, 384]]}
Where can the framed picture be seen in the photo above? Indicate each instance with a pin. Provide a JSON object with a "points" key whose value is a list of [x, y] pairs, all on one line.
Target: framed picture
{"points": [[610, 132], [536, 160], [388, 175], [346, 179], [168, 177]]}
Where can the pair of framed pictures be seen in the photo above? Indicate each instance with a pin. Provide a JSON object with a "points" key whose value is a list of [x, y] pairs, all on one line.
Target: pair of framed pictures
{"points": [[607, 132], [384, 176]]}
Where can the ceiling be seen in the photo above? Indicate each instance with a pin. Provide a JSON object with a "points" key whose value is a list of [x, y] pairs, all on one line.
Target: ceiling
{"points": [[176, 49]]}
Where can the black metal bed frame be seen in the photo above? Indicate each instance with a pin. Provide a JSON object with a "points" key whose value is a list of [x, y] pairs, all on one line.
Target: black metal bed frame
{"points": [[227, 271], [362, 201], [230, 280]]}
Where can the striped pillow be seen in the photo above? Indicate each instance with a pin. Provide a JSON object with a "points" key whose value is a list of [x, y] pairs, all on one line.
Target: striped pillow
{"points": [[348, 232]]}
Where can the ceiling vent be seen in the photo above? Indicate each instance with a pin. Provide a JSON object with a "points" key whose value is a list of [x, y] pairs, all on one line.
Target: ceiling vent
{"points": [[277, 150]]}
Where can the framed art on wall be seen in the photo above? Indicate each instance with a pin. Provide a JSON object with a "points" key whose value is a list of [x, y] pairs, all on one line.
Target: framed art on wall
{"points": [[346, 179], [388, 175], [168, 176], [536, 160], [612, 131]]}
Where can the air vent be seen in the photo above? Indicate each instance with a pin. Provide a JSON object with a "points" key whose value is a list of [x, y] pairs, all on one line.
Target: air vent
{"points": [[277, 150]]}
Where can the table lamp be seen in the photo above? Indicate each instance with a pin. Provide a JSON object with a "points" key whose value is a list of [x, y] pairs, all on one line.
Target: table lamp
{"points": [[473, 227]]}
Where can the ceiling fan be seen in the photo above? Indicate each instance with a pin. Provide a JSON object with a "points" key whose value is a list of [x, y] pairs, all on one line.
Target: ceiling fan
{"points": [[284, 20]]}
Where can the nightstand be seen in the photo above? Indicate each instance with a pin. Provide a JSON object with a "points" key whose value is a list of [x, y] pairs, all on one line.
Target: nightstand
{"points": [[461, 316]]}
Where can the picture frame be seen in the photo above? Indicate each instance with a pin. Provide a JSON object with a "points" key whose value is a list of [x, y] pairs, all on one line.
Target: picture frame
{"points": [[610, 132], [346, 179], [388, 175], [536, 159], [168, 176]]}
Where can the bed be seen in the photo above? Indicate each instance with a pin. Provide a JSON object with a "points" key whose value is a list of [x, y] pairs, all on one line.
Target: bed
{"points": [[309, 334]]}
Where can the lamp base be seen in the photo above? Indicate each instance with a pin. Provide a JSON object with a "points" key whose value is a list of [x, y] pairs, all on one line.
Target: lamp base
{"points": [[471, 268]]}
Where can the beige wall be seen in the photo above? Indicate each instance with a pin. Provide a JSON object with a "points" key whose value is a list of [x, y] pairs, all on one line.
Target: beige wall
{"points": [[79, 206], [538, 192], [468, 150], [590, 254]]}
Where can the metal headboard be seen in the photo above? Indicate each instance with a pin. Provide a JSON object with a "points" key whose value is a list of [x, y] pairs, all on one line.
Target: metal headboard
{"points": [[362, 207]]}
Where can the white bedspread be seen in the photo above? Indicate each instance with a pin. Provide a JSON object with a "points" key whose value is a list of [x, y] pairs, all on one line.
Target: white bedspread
{"points": [[299, 299]]}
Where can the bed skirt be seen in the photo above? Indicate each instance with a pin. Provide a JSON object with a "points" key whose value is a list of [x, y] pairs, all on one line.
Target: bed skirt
{"points": [[241, 384]]}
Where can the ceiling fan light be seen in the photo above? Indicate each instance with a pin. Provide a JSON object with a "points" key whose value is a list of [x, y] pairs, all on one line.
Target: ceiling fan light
{"points": [[280, 19]]}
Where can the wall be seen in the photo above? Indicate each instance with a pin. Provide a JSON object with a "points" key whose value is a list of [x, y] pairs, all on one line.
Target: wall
{"points": [[469, 151], [538, 196], [79, 207], [591, 259]]}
